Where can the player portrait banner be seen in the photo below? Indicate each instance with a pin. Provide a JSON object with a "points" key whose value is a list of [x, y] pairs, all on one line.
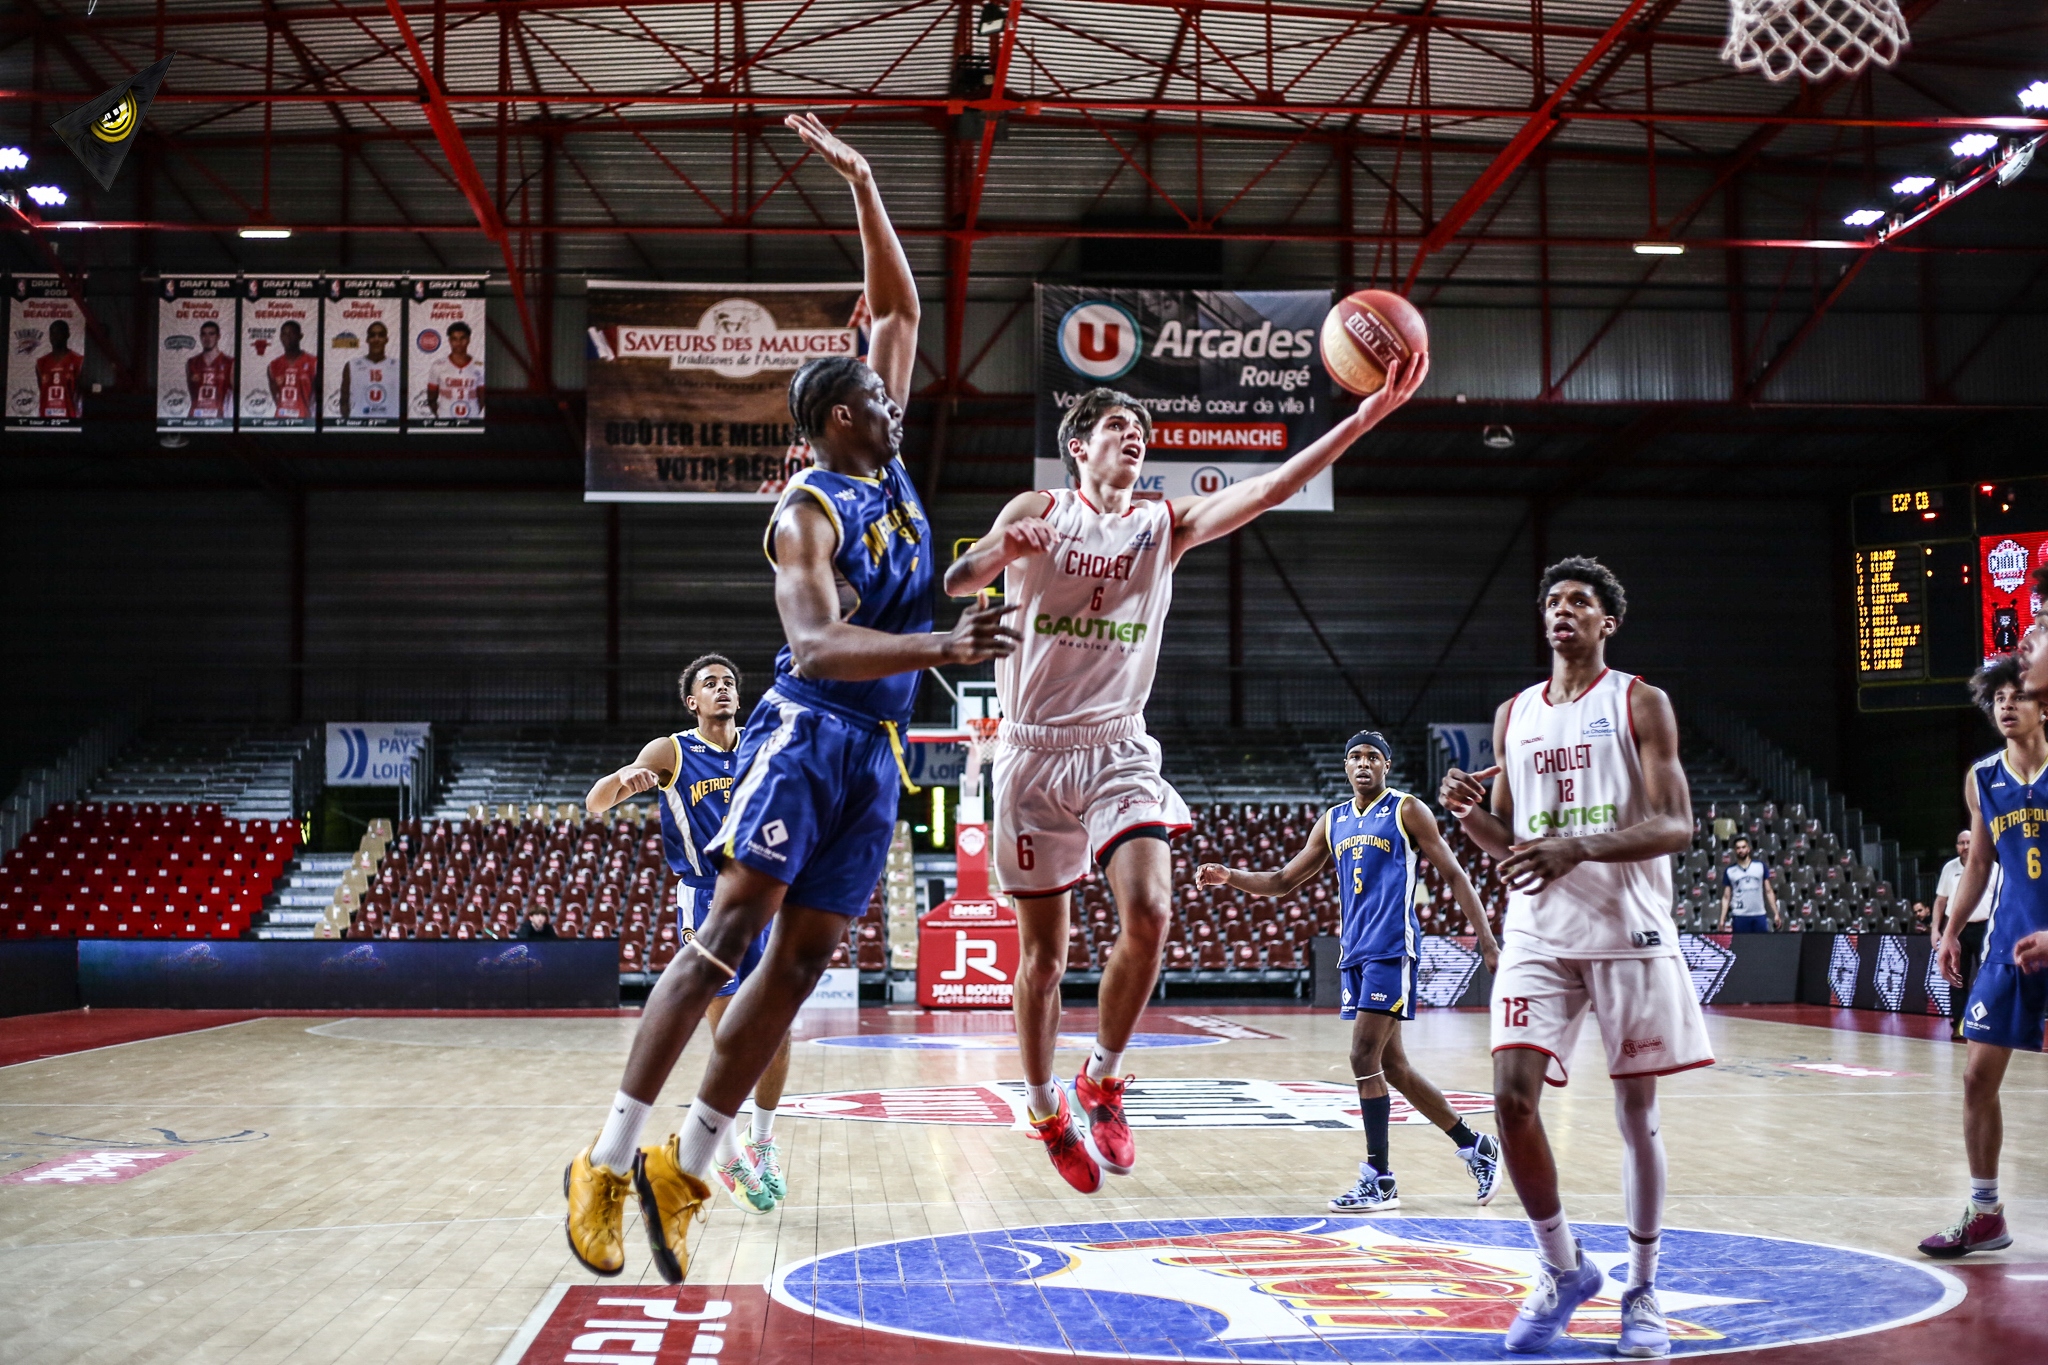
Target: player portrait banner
{"points": [[198, 330], [444, 354], [280, 368], [45, 356], [361, 353], [689, 383], [1231, 378]]}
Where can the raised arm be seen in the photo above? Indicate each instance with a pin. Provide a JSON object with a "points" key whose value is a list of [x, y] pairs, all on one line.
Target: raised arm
{"points": [[1429, 840], [1464, 795], [1309, 860], [1969, 889], [655, 765], [891, 288], [1200, 519], [1019, 531], [807, 600], [1666, 829]]}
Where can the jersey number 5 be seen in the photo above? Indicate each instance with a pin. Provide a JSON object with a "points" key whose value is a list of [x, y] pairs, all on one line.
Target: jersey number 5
{"points": [[1514, 1011]]}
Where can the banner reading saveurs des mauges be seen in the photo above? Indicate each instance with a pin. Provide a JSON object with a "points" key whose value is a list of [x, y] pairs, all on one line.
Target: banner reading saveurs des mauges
{"points": [[688, 385], [1231, 378]]}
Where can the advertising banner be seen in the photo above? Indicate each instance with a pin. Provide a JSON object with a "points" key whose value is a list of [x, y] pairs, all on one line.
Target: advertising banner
{"points": [[45, 356], [2010, 603], [688, 390], [362, 389], [444, 351], [197, 331], [1230, 377], [363, 754], [280, 370]]}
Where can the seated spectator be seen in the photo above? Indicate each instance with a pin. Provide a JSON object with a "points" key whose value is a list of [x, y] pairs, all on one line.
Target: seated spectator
{"points": [[536, 924], [395, 929], [464, 930]]}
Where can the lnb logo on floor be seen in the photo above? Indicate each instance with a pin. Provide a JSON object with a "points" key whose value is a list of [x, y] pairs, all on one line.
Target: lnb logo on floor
{"points": [[1339, 1289]]}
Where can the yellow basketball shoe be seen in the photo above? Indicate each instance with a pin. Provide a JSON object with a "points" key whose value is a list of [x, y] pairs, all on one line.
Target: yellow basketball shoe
{"points": [[597, 1204], [670, 1200]]}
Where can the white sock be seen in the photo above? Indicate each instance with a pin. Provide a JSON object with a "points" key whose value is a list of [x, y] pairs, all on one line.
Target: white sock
{"points": [[728, 1148], [1984, 1193], [764, 1124], [1045, 1099], [1554, 1241], [1642, 1260], [704, 1128], [1642, 1160], [1102, 1063], [621, 1136]]}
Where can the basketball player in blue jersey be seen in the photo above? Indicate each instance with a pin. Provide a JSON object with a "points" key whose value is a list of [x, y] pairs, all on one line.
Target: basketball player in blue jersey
{"points": [[2007, 793], [805, 840], [693, 771], [1373, 838]]}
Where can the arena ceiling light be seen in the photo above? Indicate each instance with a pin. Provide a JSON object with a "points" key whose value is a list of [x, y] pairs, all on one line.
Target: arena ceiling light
{"points": [[1659, 248], [1973, 144], [49, 196], [13, 159], [2035, 96], [1913, 184], [1863, 217], [264, 234]]}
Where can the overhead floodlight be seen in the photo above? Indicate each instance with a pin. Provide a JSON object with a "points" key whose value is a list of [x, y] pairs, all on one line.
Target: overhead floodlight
{"points": [[1913, 184], [991, 20], [1974, 144], [1659, 248], [265, 234], [1863, 217], [13, 159], [2035, 96], [49, 196]]}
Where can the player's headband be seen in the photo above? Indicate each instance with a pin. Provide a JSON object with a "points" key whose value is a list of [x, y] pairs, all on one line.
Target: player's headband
{"points": [[1373, 738]]}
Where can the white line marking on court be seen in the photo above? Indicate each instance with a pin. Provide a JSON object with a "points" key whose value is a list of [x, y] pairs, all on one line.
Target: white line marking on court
{"points": [[153, 1038], [2027, 1277], [530, 1329]]}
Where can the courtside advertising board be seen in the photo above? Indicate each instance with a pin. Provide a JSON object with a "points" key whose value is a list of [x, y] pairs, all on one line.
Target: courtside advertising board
{"points": [[1231, 378]]}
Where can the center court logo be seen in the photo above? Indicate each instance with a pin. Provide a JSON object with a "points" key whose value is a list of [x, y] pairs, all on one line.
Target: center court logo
{"points": [[1100, 340], [1338, 1289]]}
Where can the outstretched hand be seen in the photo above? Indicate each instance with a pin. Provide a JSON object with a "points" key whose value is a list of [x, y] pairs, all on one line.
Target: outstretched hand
{"points": [[827, 144], [1212, 874], [1404, 377], [980, 633]]}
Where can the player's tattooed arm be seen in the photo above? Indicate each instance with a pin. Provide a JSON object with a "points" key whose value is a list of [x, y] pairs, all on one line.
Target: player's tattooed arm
{"points": [[825, 646], [1464, 795], [1020, 531], [1423, 833], [654, 766], [891, 288], [1948, 953], [1536, 863], [1197, 520], [1304, 866]]}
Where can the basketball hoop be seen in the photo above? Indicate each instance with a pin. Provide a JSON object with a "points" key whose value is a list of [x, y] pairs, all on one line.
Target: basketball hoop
{"points": [[1813, 38]]}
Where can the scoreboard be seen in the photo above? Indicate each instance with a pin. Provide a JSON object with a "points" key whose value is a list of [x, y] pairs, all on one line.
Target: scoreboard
{"points": [[1943, 581]]}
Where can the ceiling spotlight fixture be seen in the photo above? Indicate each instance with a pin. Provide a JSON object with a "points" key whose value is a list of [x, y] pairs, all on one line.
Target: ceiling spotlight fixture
{"points": [[1973, 144], [1913, 184], [49, 196], [1497, 437], [1656, 249], [265, 234], [1863, 217], [13, 159], [991, 20], [2035, 96]]}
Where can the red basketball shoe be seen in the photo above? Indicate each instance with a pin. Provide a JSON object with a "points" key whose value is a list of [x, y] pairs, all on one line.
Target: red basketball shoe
{"points": [[1109, 1136], [1976, 1230], [1069, 1154]]}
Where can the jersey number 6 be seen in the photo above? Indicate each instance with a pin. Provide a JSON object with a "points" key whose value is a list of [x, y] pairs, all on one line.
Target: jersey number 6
{"points": [[1026, 859]]}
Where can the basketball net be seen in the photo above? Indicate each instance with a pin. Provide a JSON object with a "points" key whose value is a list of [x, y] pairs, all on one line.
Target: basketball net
{"points": [[1813, 38], [981, 731]]}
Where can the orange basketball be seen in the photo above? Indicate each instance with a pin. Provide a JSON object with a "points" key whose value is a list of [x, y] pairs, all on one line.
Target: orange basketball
{"points": [[1365, 333]]}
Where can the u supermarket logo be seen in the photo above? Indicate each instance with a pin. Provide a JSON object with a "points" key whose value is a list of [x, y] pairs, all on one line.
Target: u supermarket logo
{"points": [[1100, 340]]}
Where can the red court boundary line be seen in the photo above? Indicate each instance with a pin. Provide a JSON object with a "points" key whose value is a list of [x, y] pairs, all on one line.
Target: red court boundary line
{"points": [[1931, 1027]]}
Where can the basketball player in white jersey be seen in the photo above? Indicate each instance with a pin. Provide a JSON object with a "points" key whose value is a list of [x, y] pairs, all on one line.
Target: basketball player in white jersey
{"points": [[1077, 779], [1592, 801], [369, 383]]}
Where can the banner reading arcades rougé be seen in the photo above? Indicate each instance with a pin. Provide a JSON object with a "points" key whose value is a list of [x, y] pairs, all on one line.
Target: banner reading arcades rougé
{"points": [[1231, 378], [688, 387]]}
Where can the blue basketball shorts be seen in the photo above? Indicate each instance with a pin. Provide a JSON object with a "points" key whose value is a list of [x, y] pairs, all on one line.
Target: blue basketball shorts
{"points": [[693, 903], [2008, 1007], [1379, 985], [814, 806], [1750, 924]]}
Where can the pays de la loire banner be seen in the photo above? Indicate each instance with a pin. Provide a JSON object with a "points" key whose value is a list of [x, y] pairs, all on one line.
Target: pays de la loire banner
{"points": [[373, 753], [1231, 378], [689, 383]]}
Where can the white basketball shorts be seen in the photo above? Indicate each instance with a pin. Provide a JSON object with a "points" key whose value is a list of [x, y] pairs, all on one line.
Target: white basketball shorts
{"points": [[1065, 793], [1649, 1017]]}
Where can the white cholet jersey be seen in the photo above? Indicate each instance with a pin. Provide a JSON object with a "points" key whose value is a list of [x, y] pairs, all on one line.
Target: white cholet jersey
{"points": [[1091, 611], [1573, 770]]}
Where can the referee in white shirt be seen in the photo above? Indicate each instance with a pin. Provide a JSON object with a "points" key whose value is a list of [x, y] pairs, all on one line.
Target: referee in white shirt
{"points": [[1972, 931]]}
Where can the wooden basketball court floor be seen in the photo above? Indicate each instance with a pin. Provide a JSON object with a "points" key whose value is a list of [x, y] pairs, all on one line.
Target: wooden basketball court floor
{"points": [[388, 1188]]}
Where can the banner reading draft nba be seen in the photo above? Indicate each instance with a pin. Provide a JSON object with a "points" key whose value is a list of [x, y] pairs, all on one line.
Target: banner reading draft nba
{"points": [[363, 391], [281, 362], [1230, 377], [197, 330], [45, 356], [688, 394], [362, 754], [444, 371]]}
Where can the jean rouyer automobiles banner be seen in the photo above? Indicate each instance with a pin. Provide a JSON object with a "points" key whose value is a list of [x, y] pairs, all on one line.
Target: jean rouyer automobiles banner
{"points": [[1231, 378], [689, 383]]}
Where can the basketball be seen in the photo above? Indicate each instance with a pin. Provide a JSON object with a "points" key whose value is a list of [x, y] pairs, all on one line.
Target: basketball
{"points": [[1365, 333]]}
